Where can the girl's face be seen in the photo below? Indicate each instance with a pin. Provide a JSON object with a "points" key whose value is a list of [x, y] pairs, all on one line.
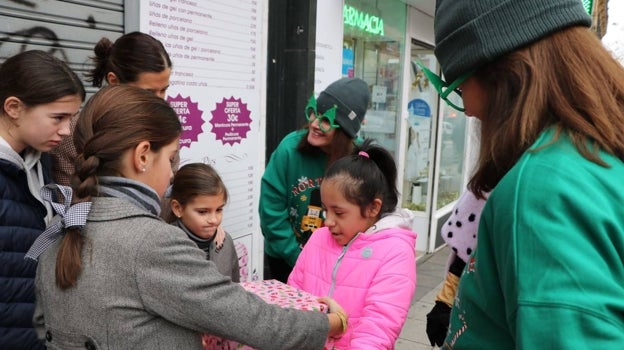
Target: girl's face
{"points": [[475, 98], [342, 217], [41, 127], [318, 138], [202, 214], [156, 82], [158, 172]]}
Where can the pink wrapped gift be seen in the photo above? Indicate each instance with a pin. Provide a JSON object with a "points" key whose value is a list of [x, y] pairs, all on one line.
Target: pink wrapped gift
{"points": [[273, 292], [278, 293]]}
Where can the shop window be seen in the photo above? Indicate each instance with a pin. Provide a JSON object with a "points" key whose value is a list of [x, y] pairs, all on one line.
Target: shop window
{"points": [[437, 137], [374, 32]]}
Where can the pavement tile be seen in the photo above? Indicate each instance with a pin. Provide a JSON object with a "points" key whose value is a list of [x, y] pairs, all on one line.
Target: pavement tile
{"points": [[431, 270]]}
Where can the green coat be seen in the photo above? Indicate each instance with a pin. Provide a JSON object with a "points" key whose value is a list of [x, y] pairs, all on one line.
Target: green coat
{"points": [[286, 188], [548, 270]]}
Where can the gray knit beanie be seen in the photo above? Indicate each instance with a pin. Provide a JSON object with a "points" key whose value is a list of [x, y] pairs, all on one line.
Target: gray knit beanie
{"points": [[351, 97], [471, 33]]}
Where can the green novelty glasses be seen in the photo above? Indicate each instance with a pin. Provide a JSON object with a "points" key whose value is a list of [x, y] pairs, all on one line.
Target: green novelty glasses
{"points": [[326, 121], [448, 92]]}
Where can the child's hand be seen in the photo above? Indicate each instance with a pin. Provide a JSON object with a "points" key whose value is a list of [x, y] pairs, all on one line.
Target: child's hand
{"points": [[219, 238], [332, 304], [338, 319]]}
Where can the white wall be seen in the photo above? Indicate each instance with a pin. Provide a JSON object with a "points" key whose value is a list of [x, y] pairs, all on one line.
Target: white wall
{"points": [[614, 38], [329, 33]]}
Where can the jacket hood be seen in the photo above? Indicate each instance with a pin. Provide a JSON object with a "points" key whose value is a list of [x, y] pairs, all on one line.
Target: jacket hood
{"points": [[30, 159], [398, 223], [401, 218]]}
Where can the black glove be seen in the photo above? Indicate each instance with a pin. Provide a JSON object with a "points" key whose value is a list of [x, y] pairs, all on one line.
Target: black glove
{"points": [[437, 323]]}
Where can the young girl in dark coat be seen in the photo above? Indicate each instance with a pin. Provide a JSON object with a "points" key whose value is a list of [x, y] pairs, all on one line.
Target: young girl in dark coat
{"points": [[38, 94]]}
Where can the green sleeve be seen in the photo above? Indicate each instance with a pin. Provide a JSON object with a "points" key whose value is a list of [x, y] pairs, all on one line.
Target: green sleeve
{"points": [[280, 240]]}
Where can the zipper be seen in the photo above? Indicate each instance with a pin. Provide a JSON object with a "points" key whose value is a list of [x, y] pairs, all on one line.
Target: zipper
{"points": [[337, 264]]}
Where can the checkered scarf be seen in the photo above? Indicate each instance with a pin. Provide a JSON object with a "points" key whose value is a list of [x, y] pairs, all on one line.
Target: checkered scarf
{"points": [[75, 216]]}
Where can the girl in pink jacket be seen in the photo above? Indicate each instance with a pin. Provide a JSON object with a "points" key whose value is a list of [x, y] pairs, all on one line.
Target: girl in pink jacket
{"points": [[364, 256]]}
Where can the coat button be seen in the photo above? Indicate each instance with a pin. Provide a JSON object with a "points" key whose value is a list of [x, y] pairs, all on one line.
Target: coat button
{"points": [[89, 345], [48, 336]]}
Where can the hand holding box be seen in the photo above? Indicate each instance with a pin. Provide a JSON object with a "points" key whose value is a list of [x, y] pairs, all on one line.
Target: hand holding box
{"points": [[273, 292]]}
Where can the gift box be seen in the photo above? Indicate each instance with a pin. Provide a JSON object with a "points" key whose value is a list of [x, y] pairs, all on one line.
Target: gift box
{"points": [[273, 292]]}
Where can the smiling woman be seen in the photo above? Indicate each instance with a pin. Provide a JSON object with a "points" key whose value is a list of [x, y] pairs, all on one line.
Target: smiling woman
{"points": [[295, 170], [38, 96]]}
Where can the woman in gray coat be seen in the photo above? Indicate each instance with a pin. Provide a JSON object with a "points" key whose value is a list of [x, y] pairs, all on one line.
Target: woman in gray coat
{"points": [[119, 277]]}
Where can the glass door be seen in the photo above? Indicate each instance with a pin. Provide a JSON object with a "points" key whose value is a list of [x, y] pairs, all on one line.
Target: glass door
{"points": [[434, 160], [422, 107]]}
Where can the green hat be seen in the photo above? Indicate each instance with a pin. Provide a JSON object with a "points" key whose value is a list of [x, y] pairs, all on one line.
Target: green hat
{"points": [[351, 97], [471, 33]]}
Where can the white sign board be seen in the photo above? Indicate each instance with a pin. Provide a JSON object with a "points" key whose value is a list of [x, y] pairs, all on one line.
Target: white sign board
{"points": [[216, 89], [329, 32]]}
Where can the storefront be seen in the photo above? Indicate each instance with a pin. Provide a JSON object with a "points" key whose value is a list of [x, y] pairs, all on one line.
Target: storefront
{"points": [[384, 43], [373, 45]]}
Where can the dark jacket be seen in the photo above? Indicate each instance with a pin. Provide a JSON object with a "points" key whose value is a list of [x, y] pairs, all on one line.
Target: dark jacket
{"points": [[21, 222]]}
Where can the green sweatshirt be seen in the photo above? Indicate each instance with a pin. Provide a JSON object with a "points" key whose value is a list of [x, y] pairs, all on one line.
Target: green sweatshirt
{"points": [[285, 193], [548, 271]]}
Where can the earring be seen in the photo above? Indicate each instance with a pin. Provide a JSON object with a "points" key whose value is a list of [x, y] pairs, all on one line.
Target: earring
{"points": [[143, 170]]}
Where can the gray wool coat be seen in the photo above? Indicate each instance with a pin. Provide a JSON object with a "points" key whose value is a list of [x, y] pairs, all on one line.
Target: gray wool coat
{"points": [[145, 285]]}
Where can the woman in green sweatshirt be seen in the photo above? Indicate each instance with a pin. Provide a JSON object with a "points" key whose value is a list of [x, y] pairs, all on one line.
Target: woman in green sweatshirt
{"points": [[548, 267], [290, 205]]}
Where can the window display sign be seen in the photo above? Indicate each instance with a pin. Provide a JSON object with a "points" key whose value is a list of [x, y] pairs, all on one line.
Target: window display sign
{"points": [[327, 63], [215, 88], [347, 63]]}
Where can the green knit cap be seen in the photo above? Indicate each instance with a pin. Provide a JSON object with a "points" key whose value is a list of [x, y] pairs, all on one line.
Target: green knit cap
{"points": [[471, 33]]}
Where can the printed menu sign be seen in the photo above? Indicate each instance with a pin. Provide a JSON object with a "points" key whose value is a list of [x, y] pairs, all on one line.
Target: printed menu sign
{"points": [[215, 90]]}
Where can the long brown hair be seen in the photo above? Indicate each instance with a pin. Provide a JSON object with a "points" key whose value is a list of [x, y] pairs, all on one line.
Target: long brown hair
{"points": [[567, 80], [341, 145], [114, 120]]}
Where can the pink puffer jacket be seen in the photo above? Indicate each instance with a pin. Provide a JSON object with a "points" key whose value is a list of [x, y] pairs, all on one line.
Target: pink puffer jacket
{"points": [[373, 278]]}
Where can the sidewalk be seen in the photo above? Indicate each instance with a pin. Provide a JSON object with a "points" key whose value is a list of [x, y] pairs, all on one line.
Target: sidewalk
{"points": [[430, 275]]}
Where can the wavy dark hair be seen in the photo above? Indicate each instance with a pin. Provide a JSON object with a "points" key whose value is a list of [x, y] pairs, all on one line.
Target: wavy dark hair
{"points": [[341, 145]]}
